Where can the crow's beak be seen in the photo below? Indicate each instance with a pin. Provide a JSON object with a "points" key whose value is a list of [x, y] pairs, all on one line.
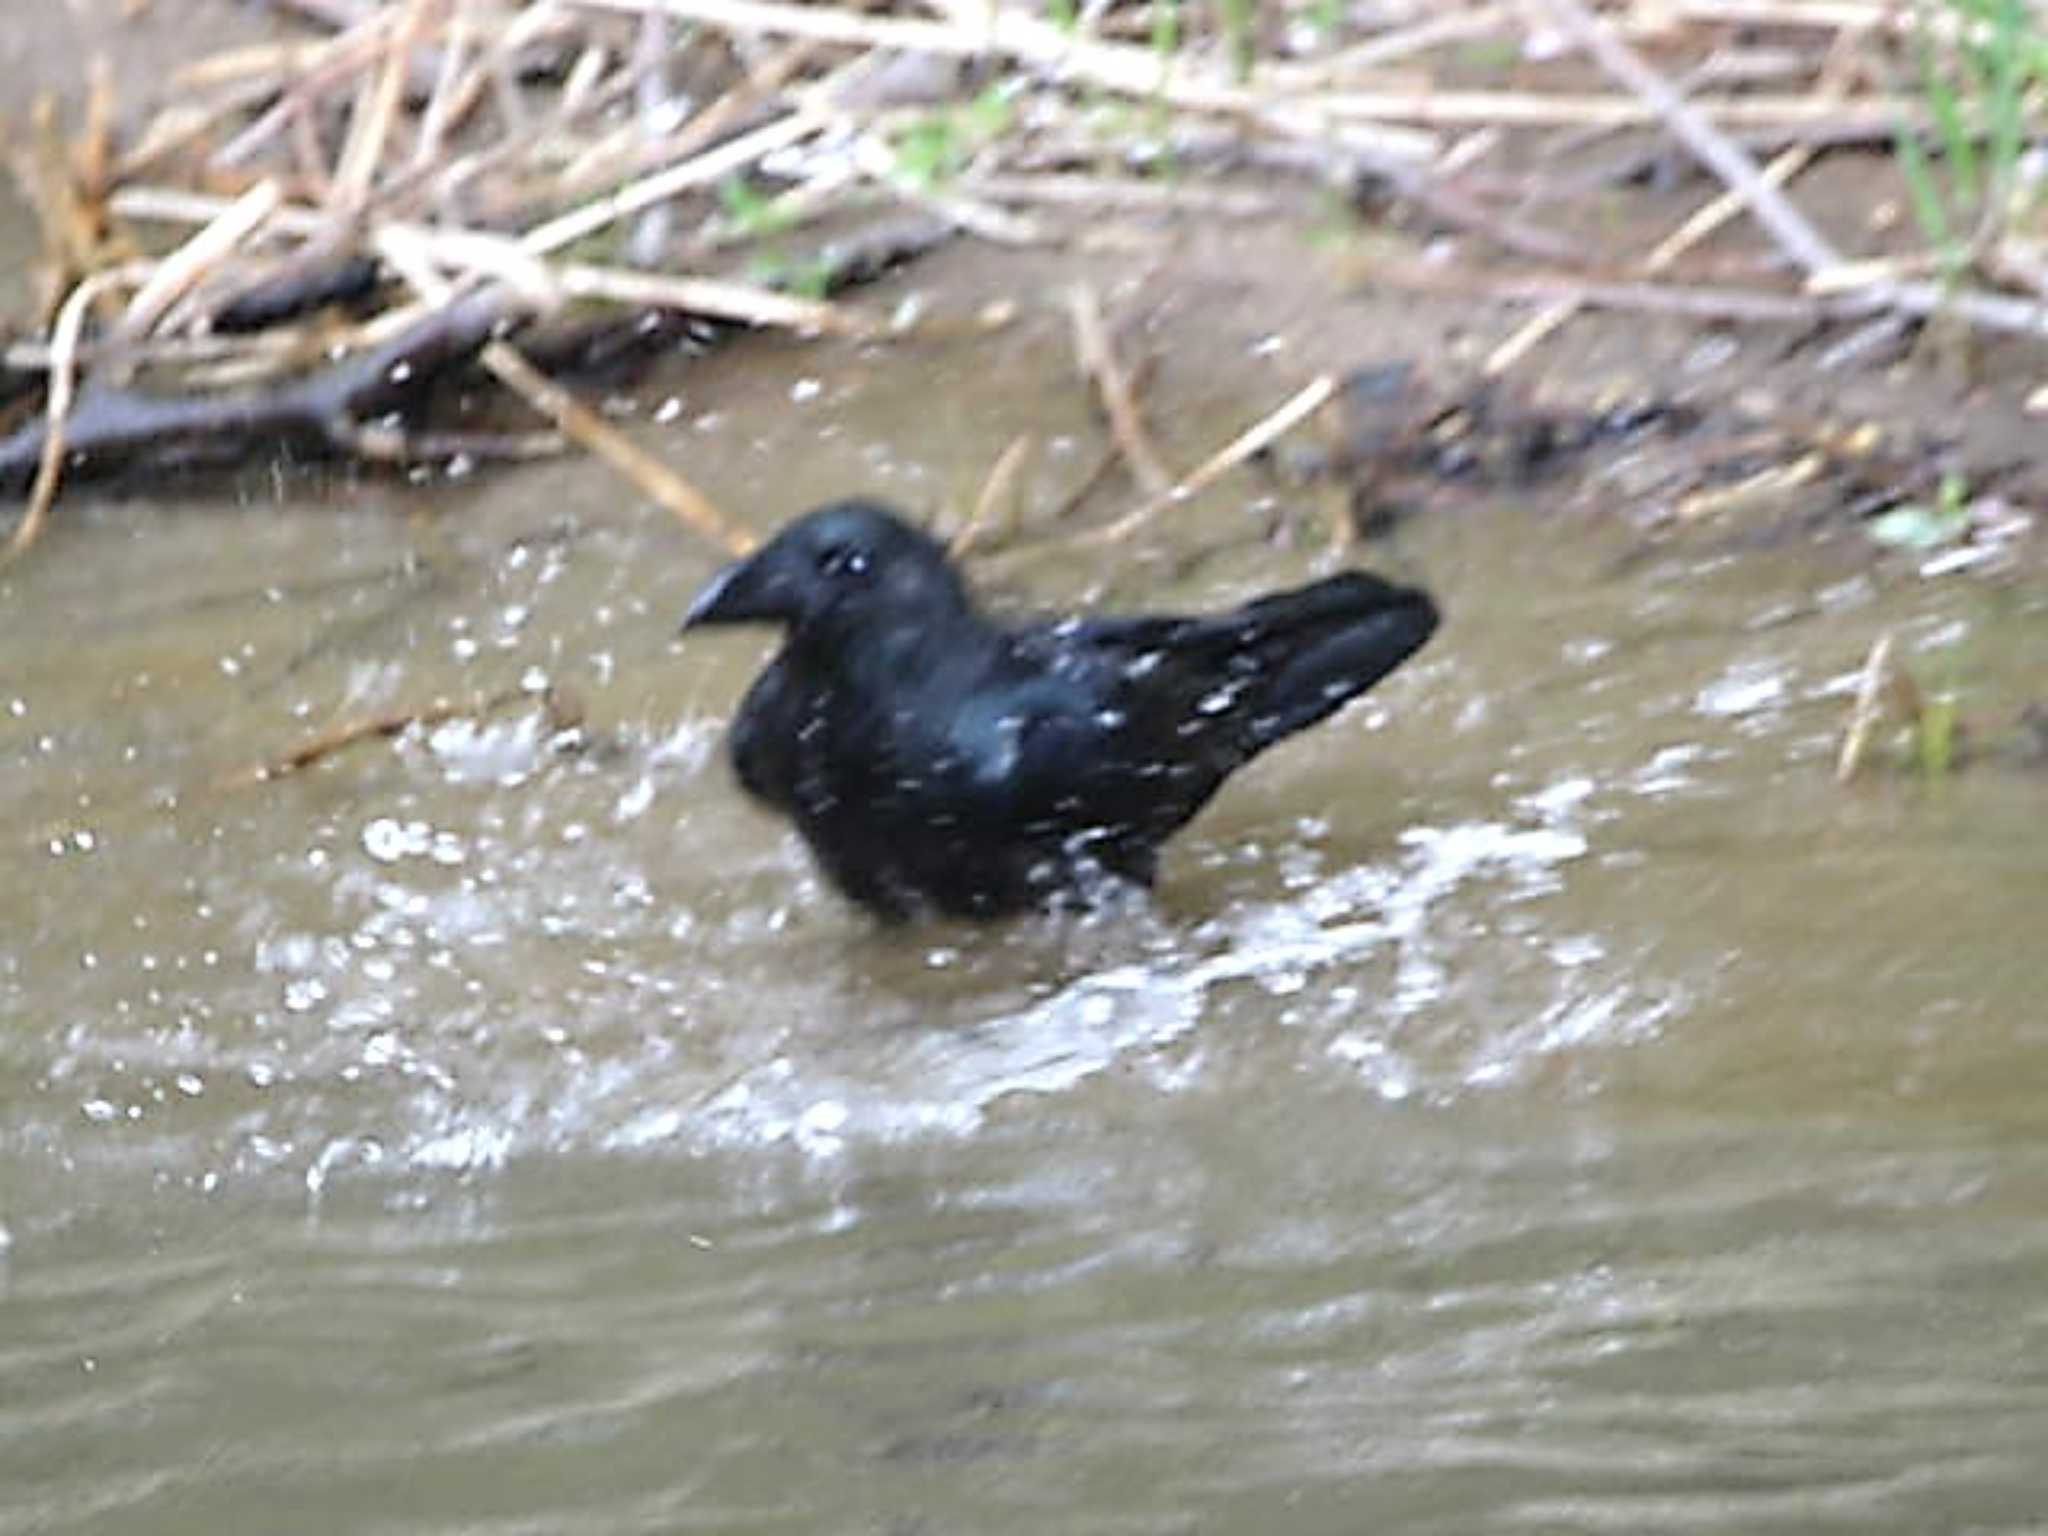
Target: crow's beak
{"points": [[749, 591]]}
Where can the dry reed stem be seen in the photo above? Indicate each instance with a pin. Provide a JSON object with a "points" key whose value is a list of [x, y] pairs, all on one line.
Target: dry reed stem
{"points": [[1875, 16], [377, 103], [185, 123], [439, 114], [698, 171], [1775, 485], [1000, 32], [1393, 46], [176, 274], [339, 58], [408, 248], [1787, 226], [1126, 194], [579, 86], [258, 64], [731, 300], [1701, 301], [1863, 276], [506, 261], [578, 422], [831, 190], [63, 390], [1792, 116], [93, 157], [717, 297], [1867, 710], [763, 81], [1697, 227], [562, 714], [663, 485], [169, 351], [1099, 362], [997, 491], [1254, 439], [171, 205]]}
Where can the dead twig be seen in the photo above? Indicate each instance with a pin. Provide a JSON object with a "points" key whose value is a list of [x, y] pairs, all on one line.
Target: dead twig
{"points": [[111, 427], [701, 170], [691, 507], [1125, 194], [744, 303], [1793, 232], [1086, 486], [1868, 709], [56, 415], [1260, 435], [578, 422], [998, 492], [562, 711], [1010, 32], [1698, 300], [178, 272], [377, 104], [1099, 361], [1702, 223], [1790, 228]]}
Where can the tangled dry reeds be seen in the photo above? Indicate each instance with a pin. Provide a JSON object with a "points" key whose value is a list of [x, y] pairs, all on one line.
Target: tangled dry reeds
{"points": [[313, 230]]}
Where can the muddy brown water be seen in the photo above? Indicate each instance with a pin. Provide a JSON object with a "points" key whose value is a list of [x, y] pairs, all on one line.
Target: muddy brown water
{"points": [[1540, 1100]]}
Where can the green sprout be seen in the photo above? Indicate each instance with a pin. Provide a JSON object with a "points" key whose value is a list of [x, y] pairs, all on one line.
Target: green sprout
{"points": [[1236, 16], [1920, 526], [1977, 85], [936, 147], [808, 277], [749, 211], [1934, 739]]}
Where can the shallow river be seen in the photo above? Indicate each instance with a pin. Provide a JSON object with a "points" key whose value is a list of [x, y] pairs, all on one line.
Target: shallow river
{"points": [[1539, 1100]]}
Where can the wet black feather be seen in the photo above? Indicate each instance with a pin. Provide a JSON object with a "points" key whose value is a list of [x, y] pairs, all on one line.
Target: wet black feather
{"points": [[936, 761]]}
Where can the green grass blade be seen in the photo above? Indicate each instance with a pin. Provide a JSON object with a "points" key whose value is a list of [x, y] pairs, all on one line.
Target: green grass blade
{"points": [[2003, 103], [1958, 145], [1920, 186], [1166, 28], [1236, 16]]}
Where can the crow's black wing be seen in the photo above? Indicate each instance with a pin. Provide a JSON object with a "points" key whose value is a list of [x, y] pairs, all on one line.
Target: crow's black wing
{"points": [[1165, 708], [992, 760], [1255, 674], [1311, 651]]}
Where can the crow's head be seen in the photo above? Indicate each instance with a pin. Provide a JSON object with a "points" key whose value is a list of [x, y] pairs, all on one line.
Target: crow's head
{"points": [[843, 564]]}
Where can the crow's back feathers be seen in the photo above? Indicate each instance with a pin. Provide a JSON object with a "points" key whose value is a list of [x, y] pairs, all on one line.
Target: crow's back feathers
{"points": [[934, 760]]}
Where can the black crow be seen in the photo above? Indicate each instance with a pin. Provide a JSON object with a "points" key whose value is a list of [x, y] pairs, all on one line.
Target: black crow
{"points": [[936, 761]]}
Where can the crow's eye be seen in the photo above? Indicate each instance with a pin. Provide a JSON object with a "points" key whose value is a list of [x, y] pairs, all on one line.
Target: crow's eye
{"points": [[842, 560]]}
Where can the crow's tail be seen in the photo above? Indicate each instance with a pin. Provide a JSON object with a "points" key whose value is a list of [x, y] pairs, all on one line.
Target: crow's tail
{"points": [[1321, 646]]}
